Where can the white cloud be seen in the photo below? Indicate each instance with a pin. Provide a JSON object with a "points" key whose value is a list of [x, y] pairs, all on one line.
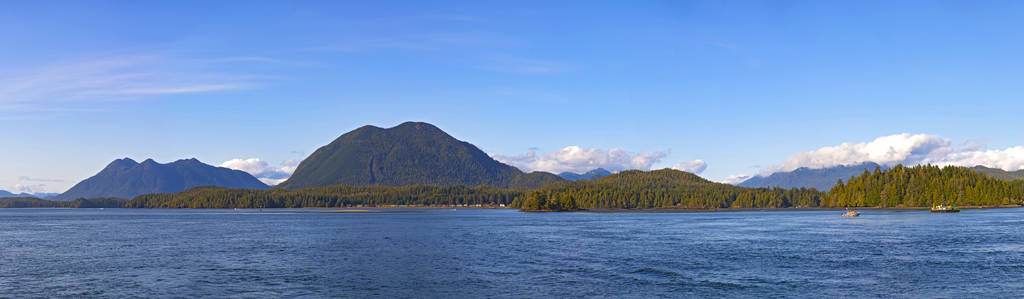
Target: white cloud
{"points": [[577, 159], [262, 170], [905, 149], [892, 149], [735, 179], [30, 189], [1007, 159], [695, 166]]}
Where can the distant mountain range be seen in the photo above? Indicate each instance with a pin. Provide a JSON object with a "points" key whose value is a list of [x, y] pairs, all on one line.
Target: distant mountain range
{"points": [[822, 179], [589, 175], [997, 173], [410, 153], [125, 178], [43, 195]]}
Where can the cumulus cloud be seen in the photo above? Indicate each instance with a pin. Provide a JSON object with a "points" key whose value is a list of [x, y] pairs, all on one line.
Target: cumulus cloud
{"points": [[29, 188], [892, 149], [905, 149], [270, 175], [1010, 159], [695, 166], [578, 159]]}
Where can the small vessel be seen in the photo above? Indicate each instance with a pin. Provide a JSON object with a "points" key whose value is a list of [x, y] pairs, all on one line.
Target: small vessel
{"points": [[945, 209], [851, 213]]}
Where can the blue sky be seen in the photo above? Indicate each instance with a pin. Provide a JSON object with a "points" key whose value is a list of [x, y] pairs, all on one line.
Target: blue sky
{"points": [[746, 87]]}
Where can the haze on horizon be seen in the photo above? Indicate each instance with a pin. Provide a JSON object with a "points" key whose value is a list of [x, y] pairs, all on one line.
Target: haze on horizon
{"points": [[725, 90]]}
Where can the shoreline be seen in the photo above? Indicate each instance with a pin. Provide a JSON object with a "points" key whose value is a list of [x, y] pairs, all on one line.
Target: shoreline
{"points": [[602, 210], [731, 210]]}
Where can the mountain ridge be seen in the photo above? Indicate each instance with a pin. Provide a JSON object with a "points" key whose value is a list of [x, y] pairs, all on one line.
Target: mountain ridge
{"points": [[125, 178], [589, 175], [819, 178]]}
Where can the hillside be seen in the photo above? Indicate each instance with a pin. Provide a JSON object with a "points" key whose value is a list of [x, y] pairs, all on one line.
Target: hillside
{"points": [[534, 179], [821, 179], [408, 154], [666, 188], [125, 178]]}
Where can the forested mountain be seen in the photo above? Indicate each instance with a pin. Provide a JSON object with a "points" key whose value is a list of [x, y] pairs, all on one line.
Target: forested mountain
{"points": [[125, 178], [923, 186], [534, 179], [666, 188], [589, 175], [408, 154], [997, 173], [821, 179]]}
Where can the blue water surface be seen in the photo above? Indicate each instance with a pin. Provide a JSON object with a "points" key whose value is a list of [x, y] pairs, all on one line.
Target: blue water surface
{"points": [[504, 253]]}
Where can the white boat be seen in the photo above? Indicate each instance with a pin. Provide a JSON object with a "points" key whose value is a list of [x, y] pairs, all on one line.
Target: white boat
{"points": [[851, 213]]}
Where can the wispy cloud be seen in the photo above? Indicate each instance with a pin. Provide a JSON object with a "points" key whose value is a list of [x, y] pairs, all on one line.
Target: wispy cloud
{"points": [[523, 65], [50, 87], [31, 179], [430, 41], [695, 166]]}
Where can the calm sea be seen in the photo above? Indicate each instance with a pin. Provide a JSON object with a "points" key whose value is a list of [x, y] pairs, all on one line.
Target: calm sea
{"points": [[504, 253]]}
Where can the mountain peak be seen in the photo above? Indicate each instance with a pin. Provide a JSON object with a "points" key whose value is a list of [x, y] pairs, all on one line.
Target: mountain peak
{"points": [[418, 126], [406, 154]]}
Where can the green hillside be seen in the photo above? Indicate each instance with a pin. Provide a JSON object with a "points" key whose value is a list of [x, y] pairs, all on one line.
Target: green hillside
{"points": [[534, 179]]}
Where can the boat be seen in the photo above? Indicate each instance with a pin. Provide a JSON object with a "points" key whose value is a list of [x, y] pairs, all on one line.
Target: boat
{"points": [[945, 209], [851, 213]]}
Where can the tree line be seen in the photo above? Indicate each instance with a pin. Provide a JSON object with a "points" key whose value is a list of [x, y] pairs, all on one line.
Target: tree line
{"points": [[337, 196], [924, 186], [32, 202]]}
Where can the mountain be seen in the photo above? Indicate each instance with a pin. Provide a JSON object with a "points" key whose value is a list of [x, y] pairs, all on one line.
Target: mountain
{"points": [[410, 153], [534, 179], [5, 194], [1000, 174], [589, 175], [821, 179], [125, 178]]}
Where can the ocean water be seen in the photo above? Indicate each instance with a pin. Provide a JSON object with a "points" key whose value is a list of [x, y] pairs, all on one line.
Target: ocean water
{"points": [[504, 253]]}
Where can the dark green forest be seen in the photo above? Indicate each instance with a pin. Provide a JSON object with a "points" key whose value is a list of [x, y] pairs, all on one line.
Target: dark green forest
{"points": [[923, 186], [664, 188], [32, 202], [331, 196]]}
